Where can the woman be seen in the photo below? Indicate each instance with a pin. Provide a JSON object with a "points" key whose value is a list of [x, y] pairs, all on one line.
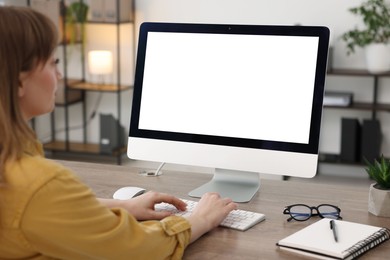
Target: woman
{"points": [[45, 211]]}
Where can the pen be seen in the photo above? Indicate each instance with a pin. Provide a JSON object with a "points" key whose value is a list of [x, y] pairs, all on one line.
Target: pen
{"points": [[333, 228]]}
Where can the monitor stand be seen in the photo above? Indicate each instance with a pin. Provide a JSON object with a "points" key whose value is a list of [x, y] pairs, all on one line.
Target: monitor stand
{"points": [[240, 186]]}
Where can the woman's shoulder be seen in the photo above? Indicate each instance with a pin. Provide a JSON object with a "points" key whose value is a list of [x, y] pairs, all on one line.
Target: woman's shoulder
{"points": [[29, 176], [34, 170]]}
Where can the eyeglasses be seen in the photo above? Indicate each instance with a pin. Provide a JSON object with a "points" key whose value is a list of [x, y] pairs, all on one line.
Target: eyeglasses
{"points": [[302, 212]]}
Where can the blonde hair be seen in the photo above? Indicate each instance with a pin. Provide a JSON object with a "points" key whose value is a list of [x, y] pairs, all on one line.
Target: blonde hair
{"points": [[28, 38]]}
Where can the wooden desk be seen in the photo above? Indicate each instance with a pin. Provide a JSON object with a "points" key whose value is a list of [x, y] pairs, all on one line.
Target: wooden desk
{"points": [[259, 241]]}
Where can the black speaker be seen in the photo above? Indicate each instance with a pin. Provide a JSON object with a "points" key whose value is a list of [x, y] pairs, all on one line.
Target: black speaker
{"points": [[350, 140], [109, 130], [371, 139]]}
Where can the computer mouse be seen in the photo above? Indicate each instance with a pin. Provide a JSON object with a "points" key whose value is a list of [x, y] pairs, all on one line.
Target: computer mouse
{"points": [[126, 193]]}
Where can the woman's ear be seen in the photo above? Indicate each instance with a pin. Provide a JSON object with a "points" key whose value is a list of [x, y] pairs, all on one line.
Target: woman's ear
{"points": [[22, 79]]}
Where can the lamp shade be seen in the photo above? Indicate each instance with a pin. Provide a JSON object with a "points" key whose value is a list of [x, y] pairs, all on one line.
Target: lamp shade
{"points": [[100, 62]]}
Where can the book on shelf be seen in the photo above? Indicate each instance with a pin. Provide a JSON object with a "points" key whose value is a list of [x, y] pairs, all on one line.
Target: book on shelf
{"points": [[342, 99], [318, 240]]}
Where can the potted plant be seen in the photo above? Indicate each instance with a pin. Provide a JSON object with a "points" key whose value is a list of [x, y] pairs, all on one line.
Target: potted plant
{"points": [[379, 194], [375, 35], [75, 18]]}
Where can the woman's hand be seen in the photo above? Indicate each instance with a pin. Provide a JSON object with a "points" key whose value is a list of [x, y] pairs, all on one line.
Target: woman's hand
{"points": [[209, 213], [142, 207]]}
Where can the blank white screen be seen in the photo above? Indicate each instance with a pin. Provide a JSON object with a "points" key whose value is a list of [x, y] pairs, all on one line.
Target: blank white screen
{"points": [[246, 86]]}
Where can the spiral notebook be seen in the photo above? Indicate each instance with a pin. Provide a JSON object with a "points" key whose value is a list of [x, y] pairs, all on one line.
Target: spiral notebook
{"points": [[317, 240]]}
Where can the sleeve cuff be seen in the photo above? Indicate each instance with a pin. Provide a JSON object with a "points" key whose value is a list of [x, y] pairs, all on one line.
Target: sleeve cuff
{"points": [[174, 224]]}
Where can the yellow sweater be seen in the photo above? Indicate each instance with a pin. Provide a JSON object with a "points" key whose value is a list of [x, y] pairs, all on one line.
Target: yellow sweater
{"points": [[46, 213]]}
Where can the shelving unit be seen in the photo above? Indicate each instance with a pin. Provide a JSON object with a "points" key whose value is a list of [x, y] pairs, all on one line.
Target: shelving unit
{"points": [[374, 107], [67, 146]]}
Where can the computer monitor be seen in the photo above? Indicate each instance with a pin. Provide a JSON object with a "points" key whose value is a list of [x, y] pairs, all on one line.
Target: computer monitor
{"points": [[243, 99]]}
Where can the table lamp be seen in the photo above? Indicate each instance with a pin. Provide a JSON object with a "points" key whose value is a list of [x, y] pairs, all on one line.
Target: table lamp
{"points": [[100, 63]]}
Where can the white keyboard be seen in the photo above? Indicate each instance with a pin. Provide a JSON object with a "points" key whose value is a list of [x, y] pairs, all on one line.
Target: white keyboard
{"points": [[237, 219]]}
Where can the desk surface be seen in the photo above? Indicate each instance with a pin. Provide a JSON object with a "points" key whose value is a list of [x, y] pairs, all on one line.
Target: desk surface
{"points": [[259, 241]]}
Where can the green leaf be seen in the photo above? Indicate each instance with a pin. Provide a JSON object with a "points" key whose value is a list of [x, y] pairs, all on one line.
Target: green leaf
{"points": [[375, 15], [379, 171]]}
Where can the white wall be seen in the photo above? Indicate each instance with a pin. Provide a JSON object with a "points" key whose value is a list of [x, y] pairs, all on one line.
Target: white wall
{"points": [[331, 13]]}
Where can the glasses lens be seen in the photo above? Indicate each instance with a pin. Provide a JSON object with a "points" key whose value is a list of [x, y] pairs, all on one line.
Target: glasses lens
{"points": [[328, 211], [300, 212]]}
